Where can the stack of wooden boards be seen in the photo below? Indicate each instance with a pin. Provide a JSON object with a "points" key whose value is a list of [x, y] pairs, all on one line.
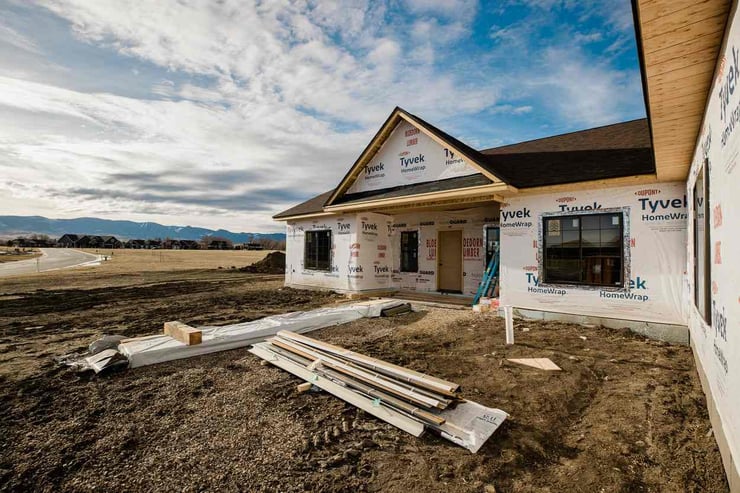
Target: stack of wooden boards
{"points": [[407, 399]]}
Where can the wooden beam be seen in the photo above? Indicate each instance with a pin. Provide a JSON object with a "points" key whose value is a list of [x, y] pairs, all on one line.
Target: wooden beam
{"points": [[395, 371], [183, 333], [379, 410]]}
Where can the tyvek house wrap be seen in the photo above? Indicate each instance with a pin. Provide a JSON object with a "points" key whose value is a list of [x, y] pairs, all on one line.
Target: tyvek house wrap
{"points": [[717, 342], [471, 222], [654, 218], [360, 255]]}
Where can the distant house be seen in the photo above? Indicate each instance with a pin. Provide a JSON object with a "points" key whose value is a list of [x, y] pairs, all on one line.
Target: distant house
{"points": [[189, 245], [136, 244], [254, 246], [218, 245], [154, 244], [110, 242], [68, 241]]}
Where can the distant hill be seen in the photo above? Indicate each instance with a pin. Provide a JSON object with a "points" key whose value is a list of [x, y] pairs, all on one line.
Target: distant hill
{"points": [[25, 225]]}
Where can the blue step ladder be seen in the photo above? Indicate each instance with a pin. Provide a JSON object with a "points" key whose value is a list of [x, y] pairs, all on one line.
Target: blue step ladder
{"points": [[490, 278]]}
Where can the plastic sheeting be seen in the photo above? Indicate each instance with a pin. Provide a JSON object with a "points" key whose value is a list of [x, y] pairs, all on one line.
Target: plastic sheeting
{"points": [[160, 348]]}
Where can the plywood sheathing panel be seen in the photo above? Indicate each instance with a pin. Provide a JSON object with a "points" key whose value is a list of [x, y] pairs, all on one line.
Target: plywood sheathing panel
{"points": [[680, 42]]}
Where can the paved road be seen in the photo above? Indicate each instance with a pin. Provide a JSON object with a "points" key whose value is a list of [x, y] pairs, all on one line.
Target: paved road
{"points": [[52, 259]]}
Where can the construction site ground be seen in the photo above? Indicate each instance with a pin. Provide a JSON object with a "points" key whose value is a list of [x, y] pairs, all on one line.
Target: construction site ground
{"points": [[625, 414]]}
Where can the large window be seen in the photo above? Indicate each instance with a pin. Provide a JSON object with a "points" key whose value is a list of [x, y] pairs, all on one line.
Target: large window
{"points": [[318, 250], [409, 251], [702, 264], [584, 249]]}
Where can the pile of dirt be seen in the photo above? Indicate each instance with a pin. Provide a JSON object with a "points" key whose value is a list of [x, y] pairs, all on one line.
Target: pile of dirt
{"points": [[274, 263]]}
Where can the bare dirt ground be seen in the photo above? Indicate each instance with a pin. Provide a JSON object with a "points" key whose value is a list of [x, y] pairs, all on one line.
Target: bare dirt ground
{"points": [[625, 415]]}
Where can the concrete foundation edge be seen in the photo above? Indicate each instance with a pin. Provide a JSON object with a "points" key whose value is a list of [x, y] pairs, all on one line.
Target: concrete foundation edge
{"points": [[677, 334], [367, 292], [728, 461]]}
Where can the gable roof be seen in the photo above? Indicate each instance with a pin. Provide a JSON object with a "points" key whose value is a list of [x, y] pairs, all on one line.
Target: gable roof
{"points": [[611, 151], [470, 155]]}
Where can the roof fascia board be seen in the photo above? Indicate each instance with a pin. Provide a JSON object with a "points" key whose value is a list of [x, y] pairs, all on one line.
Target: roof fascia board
{"points": [[303, 216], [496, 188], [590, 185]]}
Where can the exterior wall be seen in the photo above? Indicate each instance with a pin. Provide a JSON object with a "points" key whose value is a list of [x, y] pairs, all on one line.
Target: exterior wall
{"points": [[717, 344], [472, 223], [360, 256], [654, 222], [366, 250]]}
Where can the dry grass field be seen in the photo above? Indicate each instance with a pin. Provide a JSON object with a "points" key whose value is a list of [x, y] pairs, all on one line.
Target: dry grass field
{"points": [[8, 254], [123, 260]]}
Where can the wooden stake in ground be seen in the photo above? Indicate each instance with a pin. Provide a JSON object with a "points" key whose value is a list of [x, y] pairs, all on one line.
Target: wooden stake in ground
{"points": [[183, 333]]}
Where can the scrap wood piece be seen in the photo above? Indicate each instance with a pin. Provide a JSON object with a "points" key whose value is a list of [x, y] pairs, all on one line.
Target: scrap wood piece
{"points": [[539, 363], [419, 379], [184, 333], [379, 410]]}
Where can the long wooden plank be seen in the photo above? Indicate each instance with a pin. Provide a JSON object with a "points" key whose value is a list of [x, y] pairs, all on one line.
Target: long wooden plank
{"points": [[427, 417], [300, 349], [379, 410], [403, 392], [417, 378], [183, 333]]}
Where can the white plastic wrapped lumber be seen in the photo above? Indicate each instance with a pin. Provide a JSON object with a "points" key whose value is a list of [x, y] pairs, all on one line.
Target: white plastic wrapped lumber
{"points": [[160, 348]]}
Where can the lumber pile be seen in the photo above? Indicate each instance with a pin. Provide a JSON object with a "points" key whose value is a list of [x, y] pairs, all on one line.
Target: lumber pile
{"points": [[405, 398]]}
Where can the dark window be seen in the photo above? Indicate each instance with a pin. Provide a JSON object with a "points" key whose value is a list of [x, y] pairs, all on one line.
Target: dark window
{"points": [[492, 241], [584, 249], [702, 264], [318, 250], [410, 251]]}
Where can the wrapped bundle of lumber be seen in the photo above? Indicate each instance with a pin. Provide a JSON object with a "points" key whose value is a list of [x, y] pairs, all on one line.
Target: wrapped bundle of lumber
{"points": [[407, 399]]}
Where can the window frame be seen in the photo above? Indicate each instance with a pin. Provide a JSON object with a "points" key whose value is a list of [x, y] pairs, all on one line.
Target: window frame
{"points": [[311, 266], [403, 268], [623, 272], [706, 315]]}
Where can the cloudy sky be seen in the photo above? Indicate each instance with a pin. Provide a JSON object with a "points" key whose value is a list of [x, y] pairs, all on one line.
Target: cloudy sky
{"points": [[222, 113]]}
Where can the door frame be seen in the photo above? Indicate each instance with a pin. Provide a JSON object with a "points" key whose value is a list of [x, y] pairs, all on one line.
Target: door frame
{"points": [[462, 263]]}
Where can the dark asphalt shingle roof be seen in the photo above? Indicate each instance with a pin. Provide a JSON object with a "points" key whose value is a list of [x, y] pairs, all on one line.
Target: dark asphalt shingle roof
{"points": [[312, 205]]}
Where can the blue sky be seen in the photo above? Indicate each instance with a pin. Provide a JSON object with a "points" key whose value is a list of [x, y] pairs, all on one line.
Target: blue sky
{"points": [[222, 114]]}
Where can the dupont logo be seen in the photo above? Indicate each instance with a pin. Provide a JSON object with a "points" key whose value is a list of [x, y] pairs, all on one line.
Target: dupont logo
{"points": [[565, 199], [403, 153], [382, 247], [715, 287], [354, 246], [530, 268], [411, 131], [647, 192]]}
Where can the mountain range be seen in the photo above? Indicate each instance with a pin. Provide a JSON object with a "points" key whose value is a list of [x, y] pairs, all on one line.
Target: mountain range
{"points": [[11, 226]]}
